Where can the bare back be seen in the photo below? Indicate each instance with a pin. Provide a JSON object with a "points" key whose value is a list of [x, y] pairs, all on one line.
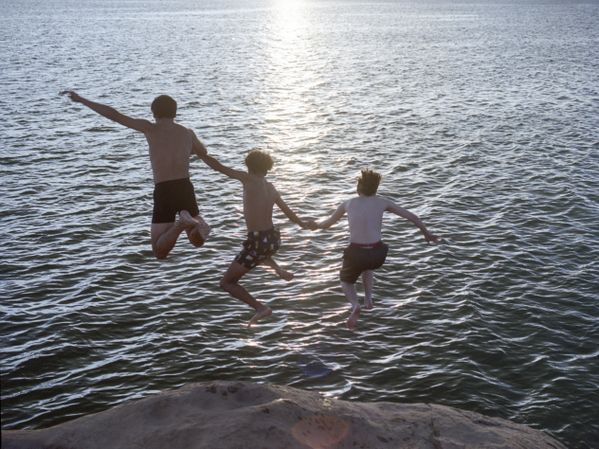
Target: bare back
{"points": [[259, 197], [365, 218], [170, 146]]}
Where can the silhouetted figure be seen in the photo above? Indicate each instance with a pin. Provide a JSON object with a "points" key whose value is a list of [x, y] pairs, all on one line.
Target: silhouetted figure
{"points": [[171, 146], [366, 251], [263, 239]]}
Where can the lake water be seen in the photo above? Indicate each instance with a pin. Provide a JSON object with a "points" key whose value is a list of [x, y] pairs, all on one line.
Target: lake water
{"points": [[483, 118]]}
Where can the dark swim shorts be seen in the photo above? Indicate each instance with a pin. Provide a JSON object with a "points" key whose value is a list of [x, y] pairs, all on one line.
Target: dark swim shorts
{"points": [[171, 197], [259, 245], [359, 258]]}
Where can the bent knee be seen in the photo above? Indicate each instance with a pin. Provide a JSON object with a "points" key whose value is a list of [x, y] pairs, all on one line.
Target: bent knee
{"points": [[197, 242], [196, 238]]}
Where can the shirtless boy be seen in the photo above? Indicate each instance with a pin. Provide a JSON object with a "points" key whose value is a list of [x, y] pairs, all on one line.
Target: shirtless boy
{"points": [[170, 146], [366, 251], [263, 239]]}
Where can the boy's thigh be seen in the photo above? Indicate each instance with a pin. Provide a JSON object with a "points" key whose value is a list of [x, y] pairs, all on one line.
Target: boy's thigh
{"points": [[235, 272], [376, 257], [351, 267], [253, 255], [157, 229], [358, 260]]}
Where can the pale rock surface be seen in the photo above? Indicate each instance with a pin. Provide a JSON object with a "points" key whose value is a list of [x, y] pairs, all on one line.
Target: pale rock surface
{"points": [[243, 415]]}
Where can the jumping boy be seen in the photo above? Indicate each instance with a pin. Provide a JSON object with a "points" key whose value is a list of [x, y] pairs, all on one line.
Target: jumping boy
{"points": [[263, 239], [366, 251], [170, 146]]}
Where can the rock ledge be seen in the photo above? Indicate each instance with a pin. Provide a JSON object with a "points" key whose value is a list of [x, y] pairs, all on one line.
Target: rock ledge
{"points": [[245, 415]]}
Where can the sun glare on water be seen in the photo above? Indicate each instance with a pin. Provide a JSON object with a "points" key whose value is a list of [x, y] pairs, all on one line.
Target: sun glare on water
{"points": [[289, 16], [289, 81]]}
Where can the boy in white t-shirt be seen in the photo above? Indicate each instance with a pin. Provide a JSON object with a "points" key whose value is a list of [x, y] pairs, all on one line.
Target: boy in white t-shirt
{"points": [[366, 251]]}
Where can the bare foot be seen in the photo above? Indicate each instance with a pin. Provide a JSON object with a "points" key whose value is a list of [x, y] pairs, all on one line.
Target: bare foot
{"points": [[262, 312], [368, 304], [203, 228], [284, 274], [186, 218], [197, 229], [353, 318]]}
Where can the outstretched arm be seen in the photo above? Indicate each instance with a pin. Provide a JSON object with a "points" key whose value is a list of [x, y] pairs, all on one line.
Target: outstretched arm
{"points": [[289, 213], [340, 212], [111, 113], [216, 165], [394, 208]]}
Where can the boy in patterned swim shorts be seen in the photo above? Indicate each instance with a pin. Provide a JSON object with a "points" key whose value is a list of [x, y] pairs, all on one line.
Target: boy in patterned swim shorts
{"points": [[263, 239], [366, 251]]}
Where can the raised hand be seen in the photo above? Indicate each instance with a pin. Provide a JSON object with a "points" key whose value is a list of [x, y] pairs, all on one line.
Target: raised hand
{"points": [[74, 96], [431, 238]]}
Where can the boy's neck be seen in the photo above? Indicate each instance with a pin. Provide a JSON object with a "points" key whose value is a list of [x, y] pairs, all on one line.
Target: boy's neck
{"points": [[164, 120]]}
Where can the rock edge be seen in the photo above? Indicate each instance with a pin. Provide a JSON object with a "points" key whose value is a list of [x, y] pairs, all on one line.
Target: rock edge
{"points": [[246, 415]]}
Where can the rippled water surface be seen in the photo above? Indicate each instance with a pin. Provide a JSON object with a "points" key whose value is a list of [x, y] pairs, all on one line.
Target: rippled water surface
{"points": [[482, 117]]}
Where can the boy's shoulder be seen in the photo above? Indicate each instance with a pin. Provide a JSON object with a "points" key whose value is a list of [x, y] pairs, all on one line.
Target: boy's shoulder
{"points": [[371, 198], [252, 179], [382, 198], [373, 201], [272, 187], [171, 129], [385, 202]]}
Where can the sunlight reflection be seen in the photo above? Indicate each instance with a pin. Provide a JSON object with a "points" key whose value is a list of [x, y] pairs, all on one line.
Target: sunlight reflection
{"points": [[249, 342], [290, 17], [290, 112], [299, 167]]}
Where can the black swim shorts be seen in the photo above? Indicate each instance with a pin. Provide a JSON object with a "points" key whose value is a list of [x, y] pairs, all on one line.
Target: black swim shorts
{"points": [[171, 197], [258, 246], [359, 258]]}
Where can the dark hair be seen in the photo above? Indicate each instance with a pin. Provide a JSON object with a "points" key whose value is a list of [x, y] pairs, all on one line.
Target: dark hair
{"points": [[258, 162], [164, 106], [368, 183]]}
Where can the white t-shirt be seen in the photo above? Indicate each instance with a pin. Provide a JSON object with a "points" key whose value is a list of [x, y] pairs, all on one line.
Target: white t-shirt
{"points": [[365, 218]]}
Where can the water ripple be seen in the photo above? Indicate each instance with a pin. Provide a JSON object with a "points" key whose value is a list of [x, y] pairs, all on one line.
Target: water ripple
{"points": [[481, 118]]}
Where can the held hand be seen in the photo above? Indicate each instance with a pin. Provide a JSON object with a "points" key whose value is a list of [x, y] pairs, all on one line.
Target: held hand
{"points": [[312, 225], [309, 224], [430, 238]]}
